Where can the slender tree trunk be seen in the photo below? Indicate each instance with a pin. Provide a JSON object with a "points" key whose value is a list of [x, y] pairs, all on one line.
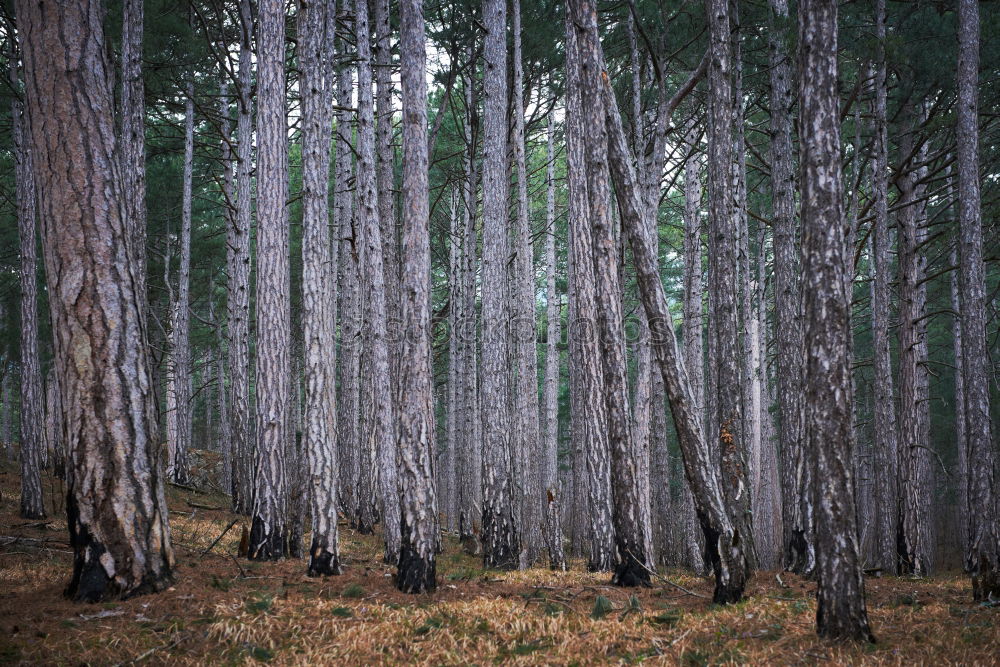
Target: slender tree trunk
{"points": [[101, 360], [885, 445], [590, 424], [726, 542], [828, 393], [238, 281], [983, 555], [54, 423], [550, 402], [316, 29], [447, 477], [723, 280], [132, 148], [383, 424], [501, 531], [914, 437], [8, 414], [524, 328], [181, 331], [797, 541], [268, 539], [32, 406], [962, 462], [385, 157], [225, 437], [419, 525]]}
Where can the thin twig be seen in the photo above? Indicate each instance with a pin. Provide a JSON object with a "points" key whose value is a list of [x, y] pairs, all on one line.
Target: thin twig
{"points": [[221, 535]]}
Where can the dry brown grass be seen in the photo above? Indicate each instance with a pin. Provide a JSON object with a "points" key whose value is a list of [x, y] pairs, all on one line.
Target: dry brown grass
{"points": [[228, 611]]}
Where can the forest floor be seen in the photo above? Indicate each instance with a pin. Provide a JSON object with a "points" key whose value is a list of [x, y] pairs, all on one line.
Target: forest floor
{"points": [[225, 610]]}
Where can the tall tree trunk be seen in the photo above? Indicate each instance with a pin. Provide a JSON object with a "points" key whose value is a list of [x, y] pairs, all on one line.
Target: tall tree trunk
{"points": [[225, 426], [181, 330], [447, 476], [228, 192], [32, 406], [797, 516], [385, 156], [914, 423], [238, 281], [419, 524], [723, 277], [501, 530], [316, 29], [132, 147], [97, 318], [469, 447], [962, 462], [983, 555], [885, 445], [524, 326], [268, 539], [550, 402], [726, 542], [590, 421], [370, 228], [826, 259]]}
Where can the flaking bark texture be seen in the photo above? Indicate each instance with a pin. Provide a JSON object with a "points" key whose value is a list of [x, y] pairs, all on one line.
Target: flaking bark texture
{"points": [[268, 539], [238, 280], [117, 513], [419, 523], [382, 426], [32, 403], [501, 531], [316, 29], [587, 376], [983, 555], [132, 147], [826, 260]]}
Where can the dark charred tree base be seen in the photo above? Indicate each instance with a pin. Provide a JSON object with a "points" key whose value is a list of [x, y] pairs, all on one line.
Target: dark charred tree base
{"points": [[267, 544], [501, 544], [798, 557], [322, 562], [599, 566], [986, 582], [631, 573], [849, 623], [32, 510], [731, 577], [416, 575]]}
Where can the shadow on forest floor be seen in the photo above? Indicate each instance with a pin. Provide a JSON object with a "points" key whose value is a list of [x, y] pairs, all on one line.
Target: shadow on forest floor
{"points": [[224, 610]]}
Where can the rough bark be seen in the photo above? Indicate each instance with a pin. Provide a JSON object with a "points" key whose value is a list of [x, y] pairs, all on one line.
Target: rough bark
{"points": [[723, 280], [726, 543], [885, 445], [983, 554], [419, 524], [316, 29], [523, 325], [501, 531], [182, 318], [98, 322], [962, 462], [32, 406], [826, 260], [132, 148], [238, 281], [370, 228], [550, 401], [274, 388], [587, 381]]}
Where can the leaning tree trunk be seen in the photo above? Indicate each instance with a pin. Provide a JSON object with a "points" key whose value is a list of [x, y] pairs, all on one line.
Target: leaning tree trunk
{"points": [[32, 405], [419, 524], [550, 402], [524, 326], [826, 266], [274, 340], [587, 376], [983, 554], [383, 424], [885, 444], [723, 279], [726, 542], [316, 29], [501, 531], [97, 320], [238, 282], [182, 320], [630, 535]]}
